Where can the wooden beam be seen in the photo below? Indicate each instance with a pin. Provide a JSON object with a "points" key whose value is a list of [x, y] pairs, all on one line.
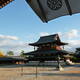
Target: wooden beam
{"points": [[68, 7], [42, 10], [4, 3]]}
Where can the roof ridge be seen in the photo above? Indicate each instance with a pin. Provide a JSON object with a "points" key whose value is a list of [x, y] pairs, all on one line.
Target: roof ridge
{"points": [[49, 35]]}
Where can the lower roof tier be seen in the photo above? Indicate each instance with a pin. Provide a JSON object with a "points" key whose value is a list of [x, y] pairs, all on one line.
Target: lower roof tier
{"points": [[53, 52]]}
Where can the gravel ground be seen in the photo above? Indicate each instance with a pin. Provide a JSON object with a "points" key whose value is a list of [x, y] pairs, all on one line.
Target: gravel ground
{"points": [[24, 72]]}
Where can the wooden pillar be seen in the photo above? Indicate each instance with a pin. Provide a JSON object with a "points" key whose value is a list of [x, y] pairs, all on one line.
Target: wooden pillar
{"points": [[63, 47], [34, 48]]}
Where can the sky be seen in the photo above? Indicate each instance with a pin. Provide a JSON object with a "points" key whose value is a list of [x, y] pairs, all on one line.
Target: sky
{"points": [[19, 26]]}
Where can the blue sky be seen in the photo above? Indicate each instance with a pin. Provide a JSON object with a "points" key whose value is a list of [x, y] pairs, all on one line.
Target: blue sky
{"points": [[19, 26]]}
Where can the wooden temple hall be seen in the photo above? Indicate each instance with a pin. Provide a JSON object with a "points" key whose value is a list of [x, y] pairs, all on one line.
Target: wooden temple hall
{"points": [[48, 48]]}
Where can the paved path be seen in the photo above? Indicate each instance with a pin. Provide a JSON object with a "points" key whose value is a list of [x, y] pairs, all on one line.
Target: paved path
{"points": [[17, 72]]}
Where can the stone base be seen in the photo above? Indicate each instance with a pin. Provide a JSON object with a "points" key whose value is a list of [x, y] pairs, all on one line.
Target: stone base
{"points": [[60, 68]]}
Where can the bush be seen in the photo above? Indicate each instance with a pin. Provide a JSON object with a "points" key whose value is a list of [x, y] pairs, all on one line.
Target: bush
{"points": [[75, 59]]}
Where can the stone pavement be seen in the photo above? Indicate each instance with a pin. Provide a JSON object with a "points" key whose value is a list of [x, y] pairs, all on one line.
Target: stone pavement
{"points": [[19, 72]]}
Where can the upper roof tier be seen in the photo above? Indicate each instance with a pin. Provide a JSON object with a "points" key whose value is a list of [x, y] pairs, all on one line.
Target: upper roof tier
{"points": [[52, 39]]}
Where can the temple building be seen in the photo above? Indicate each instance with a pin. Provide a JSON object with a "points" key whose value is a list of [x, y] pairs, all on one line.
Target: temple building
{"points": [[12, 60], [48, 49]]}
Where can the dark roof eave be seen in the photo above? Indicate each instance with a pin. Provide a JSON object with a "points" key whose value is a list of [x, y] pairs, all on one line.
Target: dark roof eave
{"points": [[37, 44], [47, 52], [62, 43]]}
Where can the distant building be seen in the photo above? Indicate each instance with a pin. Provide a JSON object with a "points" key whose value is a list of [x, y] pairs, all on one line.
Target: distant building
{"points": [[12, 60]]}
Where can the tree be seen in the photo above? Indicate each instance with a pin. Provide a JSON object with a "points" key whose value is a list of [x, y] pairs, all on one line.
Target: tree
{"points": [[22, 53], [10, 53], [1, 54]]}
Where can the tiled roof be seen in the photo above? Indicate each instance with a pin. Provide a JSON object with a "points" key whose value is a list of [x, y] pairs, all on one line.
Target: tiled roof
{"points": [[10, 58], [48, 39]]}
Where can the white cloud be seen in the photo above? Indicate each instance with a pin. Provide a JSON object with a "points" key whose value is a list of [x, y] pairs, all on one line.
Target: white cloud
{"points": [[8, 37], [72, 37], [44, 34], [73, 44], [6, 40], [12, 43], [16, 46], [72, 34]]}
